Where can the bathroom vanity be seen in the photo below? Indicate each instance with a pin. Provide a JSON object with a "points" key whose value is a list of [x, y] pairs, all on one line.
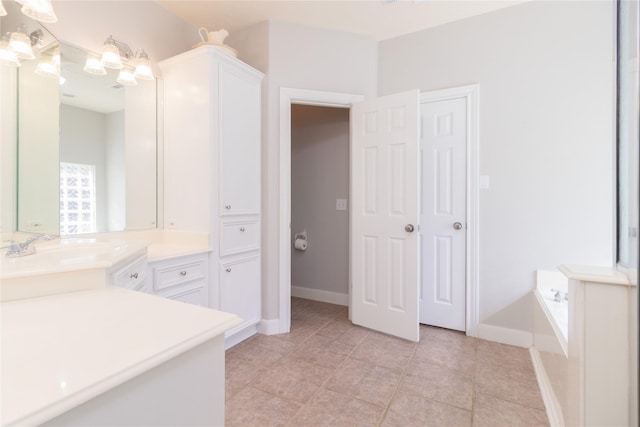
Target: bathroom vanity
{"points": [[84, 344], [112, 356]]}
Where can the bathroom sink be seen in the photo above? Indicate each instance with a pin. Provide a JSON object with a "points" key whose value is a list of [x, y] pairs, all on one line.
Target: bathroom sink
{"points": [[64, 265]]}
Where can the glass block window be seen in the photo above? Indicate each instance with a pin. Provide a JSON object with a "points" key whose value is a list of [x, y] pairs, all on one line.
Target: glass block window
{"points": [[77, 198]]}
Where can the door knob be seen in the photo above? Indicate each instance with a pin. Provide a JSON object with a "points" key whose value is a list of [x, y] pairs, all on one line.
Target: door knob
{"points": [[457, 226], [408, 228]]}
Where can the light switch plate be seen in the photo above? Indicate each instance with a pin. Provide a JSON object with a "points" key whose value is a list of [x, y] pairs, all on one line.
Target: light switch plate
{"points": [[483, 182], [341, 204]]}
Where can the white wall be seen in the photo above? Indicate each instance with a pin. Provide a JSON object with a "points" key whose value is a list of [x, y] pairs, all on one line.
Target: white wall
{"points": [[319, 176], [302, 58], [83, 141], [141, 24], [545, 71]]}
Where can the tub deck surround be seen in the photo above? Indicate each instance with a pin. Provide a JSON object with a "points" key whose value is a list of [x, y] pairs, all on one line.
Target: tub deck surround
{"points": [[585, 380], [62, 350]]}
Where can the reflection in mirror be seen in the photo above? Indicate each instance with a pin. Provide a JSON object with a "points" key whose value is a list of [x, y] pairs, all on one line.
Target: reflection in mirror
{"points": [[107, 150], [85, 158]]}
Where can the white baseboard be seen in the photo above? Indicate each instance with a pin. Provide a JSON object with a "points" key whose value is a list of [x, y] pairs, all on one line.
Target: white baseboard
{"points": [[320, 295], [239, 334], [551, 403], [269, 327], [505, 335]]}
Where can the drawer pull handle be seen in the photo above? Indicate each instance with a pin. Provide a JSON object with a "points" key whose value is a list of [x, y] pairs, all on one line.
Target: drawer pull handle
{"points": [[228, 269], [134, 275], [183, 273], [228, 207], [242, 229]]}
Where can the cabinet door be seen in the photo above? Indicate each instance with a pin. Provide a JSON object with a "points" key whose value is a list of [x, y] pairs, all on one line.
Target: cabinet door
{"points": [[240, 288], [240, 129]]}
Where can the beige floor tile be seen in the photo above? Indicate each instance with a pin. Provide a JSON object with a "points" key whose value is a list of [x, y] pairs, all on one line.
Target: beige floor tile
{"points": [[437, 382], [251, 352], [461, 360], [304, 370], [238, 374], [274, 343], [491, 412], [505, 356], [371, 383], [383, 350], [253, 407], [516, 386], [333, 409], [407, 410], [286, 385], [329, 372]]}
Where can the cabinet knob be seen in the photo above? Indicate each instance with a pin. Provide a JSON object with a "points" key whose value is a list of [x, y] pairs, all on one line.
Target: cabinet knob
{"points": [[183, 273], [228, 269], [227, 207], [134, 275], [242, 229]]}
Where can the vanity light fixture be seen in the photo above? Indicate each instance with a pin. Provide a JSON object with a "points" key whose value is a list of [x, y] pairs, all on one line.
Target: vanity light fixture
{"points": [[94, 65], [143, 66], [20, 43], [40, 10], [126, 77], [7, 56], [111, 54], [49, 66]]}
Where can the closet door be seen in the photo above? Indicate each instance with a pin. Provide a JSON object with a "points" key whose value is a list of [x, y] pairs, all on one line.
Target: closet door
{"points": [[240, 128]]}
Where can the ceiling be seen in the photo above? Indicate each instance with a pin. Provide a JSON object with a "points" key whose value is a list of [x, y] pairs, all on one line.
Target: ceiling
{"points": [[380, 19]]}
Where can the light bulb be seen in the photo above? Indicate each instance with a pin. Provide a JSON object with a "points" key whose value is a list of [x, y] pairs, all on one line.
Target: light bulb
{"points": [[94, 65], [111, 55], [40, 10], [7, 56], [48, 68], [126, 77], [20, 43], [143, 67]]}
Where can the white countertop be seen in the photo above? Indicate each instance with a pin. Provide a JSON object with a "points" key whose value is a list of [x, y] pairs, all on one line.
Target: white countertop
{"points": [[62, 350], [585, 273]]}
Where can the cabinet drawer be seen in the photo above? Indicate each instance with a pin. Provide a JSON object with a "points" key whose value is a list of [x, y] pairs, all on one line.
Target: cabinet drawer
{"points": [[179, 274], [239, 236], [132, 275]]}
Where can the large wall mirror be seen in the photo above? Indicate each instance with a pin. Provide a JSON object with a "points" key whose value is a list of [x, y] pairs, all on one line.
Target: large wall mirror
{"points": [[86, 153]]}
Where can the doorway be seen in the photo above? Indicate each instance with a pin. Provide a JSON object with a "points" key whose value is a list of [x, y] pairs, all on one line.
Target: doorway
{"points": [[319, 98], [319, 204]]}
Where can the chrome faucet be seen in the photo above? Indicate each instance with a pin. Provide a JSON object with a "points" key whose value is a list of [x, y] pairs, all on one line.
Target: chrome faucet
{"points": [[27, 247], [560, 296]]}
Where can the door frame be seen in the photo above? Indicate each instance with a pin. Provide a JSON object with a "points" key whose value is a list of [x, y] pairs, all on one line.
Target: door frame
{"points": [[471, 95], [289, 96]]}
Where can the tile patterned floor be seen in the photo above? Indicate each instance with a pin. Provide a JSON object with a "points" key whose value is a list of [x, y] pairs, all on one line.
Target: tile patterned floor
{"points": [[329, 372]]}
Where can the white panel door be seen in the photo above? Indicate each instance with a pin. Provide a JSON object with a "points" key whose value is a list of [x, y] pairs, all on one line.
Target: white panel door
{"points": [[443, 213], [384, 214]]}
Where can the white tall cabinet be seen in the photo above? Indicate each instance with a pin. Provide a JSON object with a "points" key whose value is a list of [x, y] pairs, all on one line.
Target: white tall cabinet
{"points": [[212, 128]]}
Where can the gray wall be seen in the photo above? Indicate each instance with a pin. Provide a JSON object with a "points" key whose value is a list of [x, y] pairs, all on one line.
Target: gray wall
{"points": [[545, 71], [319, 176]]}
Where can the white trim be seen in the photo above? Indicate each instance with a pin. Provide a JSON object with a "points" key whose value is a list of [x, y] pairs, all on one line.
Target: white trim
{"points": [[290, 96], [505, 335], [320, 295], [269, 327], [471, 94], [236, 336], [551, 403]]}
